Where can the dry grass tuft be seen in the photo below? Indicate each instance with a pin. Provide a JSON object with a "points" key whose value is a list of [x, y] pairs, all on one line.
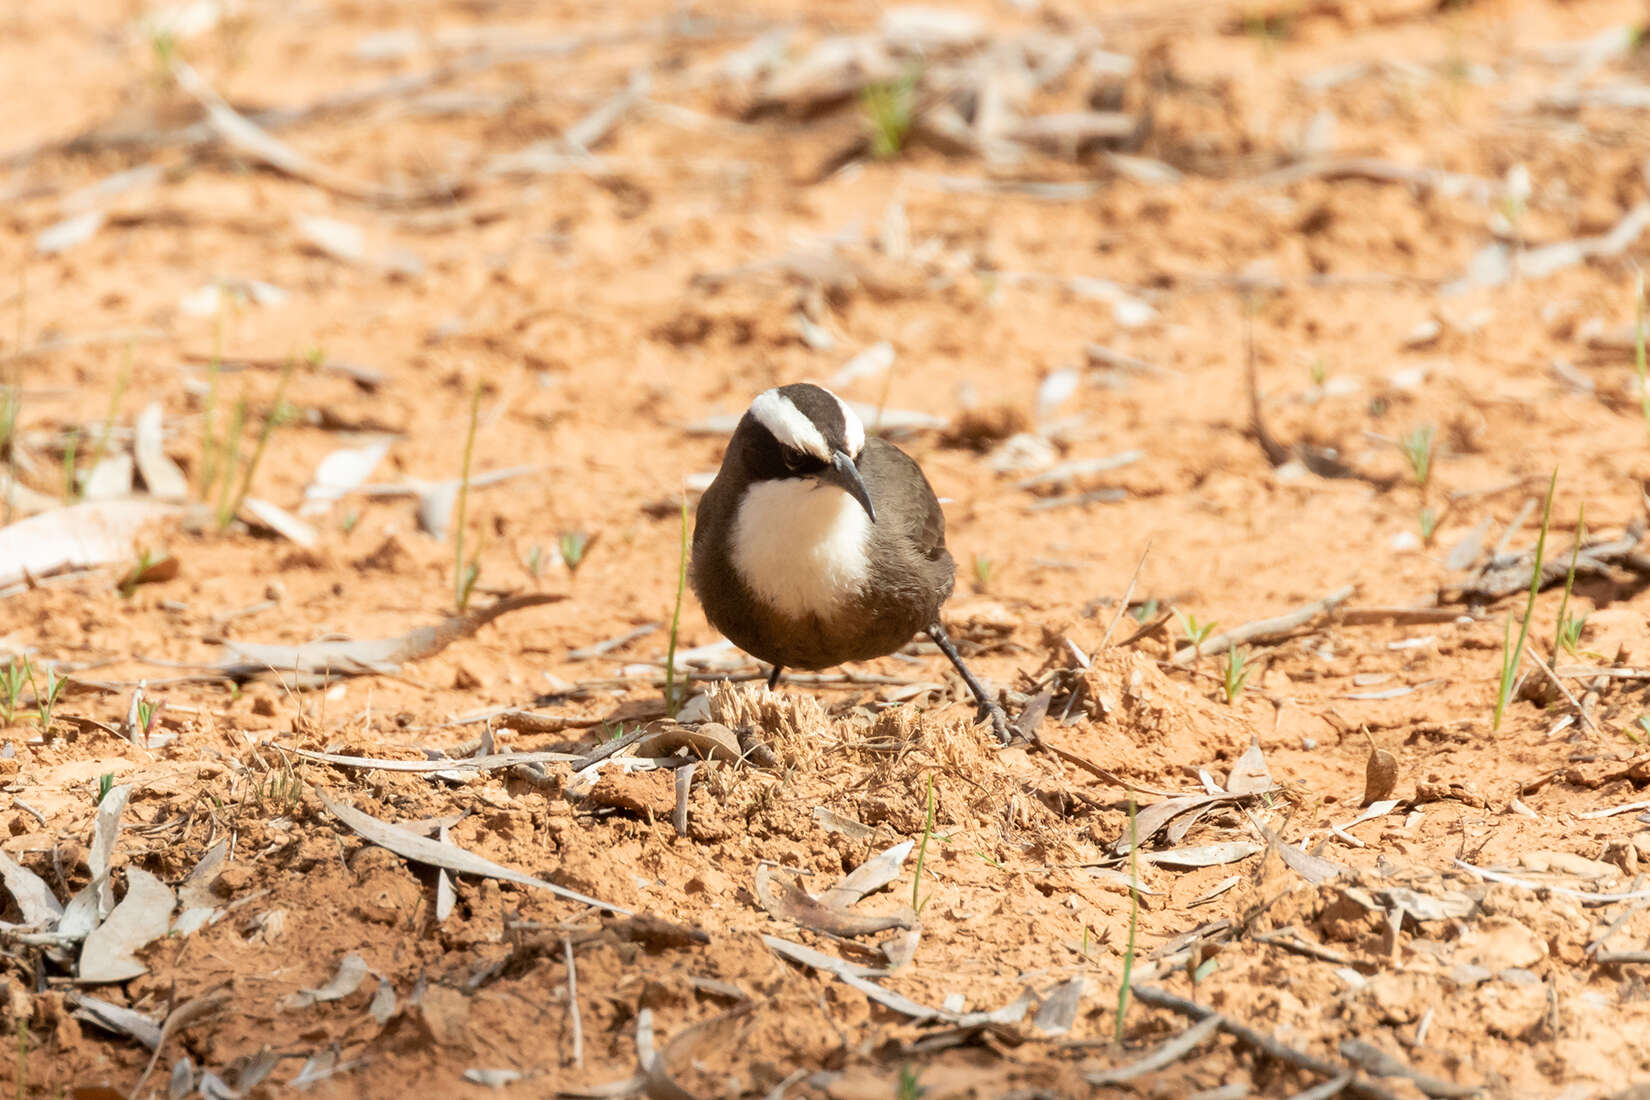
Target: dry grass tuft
{"points": [[793, 725]]}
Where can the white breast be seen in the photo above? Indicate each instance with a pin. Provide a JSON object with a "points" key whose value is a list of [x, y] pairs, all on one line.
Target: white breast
{"points": [[801, 545]]}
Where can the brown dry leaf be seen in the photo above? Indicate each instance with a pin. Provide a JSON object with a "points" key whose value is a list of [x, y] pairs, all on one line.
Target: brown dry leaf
{"points": [[1380, 774], [711, 740], [788, 901], [320, 662], [81, 536], [422, 849], [868, 877], [1249, 775], [352, 971]]}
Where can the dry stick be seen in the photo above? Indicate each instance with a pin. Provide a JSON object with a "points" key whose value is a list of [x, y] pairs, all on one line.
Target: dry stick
{"points": [[255, 142], [1611, 929], [1166, 1055], [1552, 677], [1128, 594], [573, 1002], [1264, 629], [189, 1012], [1260, 1041], [1369, 1057]]}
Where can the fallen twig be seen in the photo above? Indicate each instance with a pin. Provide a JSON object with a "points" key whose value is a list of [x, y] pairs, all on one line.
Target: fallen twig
{"points": [[1377, 1061], [1264, 629], [1260, 1041], [573, 1020], [243, 134], [1165, 1055]]}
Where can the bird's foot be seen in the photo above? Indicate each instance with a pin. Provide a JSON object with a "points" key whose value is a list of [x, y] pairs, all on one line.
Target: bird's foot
{"points": [[999, 721]]}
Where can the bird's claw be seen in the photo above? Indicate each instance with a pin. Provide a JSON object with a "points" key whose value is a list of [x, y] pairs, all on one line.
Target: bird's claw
{"points": [[999, 721]]}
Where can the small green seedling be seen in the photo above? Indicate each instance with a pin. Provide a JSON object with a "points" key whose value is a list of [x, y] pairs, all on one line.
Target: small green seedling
{"points": [[105, 784], [280, 412], [672, 703], [13, 679], [71, 480], [1234, 673], [983, 568], [1643, 724], [1511, 655], [917, 901], [908, 1087], [1197, 633], [888, 106], [533, 561], [1417, 448], [575, 547], [1123, 988], [465, 574], [140, 572], [46, 702], [1568, 635], [1320, 371], [1639, 336], [146, 711], [1428, 520], [1145, 609]]}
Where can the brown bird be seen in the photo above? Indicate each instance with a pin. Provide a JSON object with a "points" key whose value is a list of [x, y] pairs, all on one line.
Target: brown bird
{"points": [[816, 545]]}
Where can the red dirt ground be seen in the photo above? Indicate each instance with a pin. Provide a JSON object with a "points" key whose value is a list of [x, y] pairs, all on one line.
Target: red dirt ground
{"points": [[1323, 182]]}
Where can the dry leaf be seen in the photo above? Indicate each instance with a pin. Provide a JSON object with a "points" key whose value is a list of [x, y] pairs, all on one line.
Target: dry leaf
{"points": [[1249, 775], [143, 916], [422, 849], [1380, 774], [80, 536], [324, 661], [786, 900], [161, 476], [352, 971]]}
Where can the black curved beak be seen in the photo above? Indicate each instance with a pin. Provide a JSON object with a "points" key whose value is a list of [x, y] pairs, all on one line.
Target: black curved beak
{"points": [[844, 474]]}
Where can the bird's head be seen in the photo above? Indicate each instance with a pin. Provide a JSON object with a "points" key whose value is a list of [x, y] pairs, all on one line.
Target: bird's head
{"points": [[803, 431]]}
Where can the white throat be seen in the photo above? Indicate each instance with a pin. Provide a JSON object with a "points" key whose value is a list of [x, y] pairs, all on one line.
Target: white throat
{"points": [[800, 545]]}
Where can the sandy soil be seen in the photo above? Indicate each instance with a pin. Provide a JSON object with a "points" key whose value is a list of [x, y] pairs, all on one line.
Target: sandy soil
{"points": [[621, 224]]}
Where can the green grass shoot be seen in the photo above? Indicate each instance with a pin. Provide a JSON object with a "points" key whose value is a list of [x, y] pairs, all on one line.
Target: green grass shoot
{"points": [[13, 679], [1568, 632], [671, 689], [1123, 987], [1197, 633], [1511, 656], [1235, 673], [1639, 337], [917, 900], [71, 484], [465, 575], [889, 106], [277, 415], [1417, 447], [229, 456], [209, 410], [122, 380]]}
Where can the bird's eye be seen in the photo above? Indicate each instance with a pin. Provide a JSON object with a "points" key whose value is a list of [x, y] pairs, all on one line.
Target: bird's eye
{"points": [[795, 460]]}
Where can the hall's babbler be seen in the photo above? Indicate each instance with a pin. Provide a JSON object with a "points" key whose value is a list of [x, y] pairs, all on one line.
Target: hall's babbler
{"points": [[816, 545]]}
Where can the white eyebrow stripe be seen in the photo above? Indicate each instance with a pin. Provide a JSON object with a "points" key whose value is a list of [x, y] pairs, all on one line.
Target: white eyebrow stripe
{"points": [[785, 421], [853, 429]]}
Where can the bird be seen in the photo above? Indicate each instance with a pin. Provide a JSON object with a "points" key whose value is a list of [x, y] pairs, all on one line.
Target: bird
{"points": [[817, 544]]}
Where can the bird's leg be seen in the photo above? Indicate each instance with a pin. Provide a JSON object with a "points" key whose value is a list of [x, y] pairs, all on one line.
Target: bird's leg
{"points": [[773, 677], [999, 719]]}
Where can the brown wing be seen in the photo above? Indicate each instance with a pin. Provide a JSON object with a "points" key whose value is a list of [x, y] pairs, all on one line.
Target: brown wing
{"points": [[906, 504]]}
